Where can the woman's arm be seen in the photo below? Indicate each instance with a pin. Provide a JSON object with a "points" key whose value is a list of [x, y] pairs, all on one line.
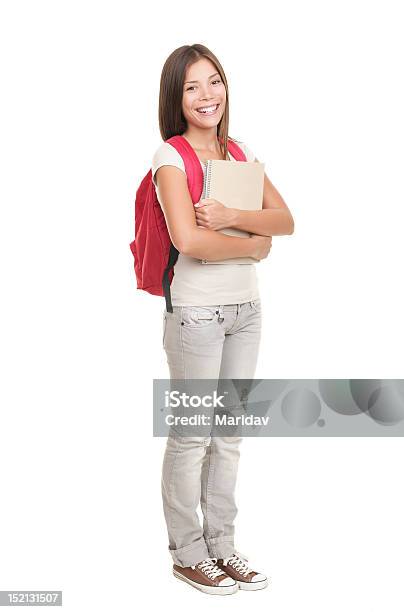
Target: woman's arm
{"points": [[187, 237]]}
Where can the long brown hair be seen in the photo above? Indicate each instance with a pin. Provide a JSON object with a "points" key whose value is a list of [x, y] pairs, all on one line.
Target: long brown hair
{"points": [[171, 118]]}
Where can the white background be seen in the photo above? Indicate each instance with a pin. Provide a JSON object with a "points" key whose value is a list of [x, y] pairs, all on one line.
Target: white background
{"points": [[316, 93]]}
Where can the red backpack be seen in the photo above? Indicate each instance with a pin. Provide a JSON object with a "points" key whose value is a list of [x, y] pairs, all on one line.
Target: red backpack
{"points": [[154, 253]]}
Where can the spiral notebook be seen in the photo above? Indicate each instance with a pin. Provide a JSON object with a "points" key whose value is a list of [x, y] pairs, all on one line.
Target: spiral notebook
{"points": [[236, 185]]}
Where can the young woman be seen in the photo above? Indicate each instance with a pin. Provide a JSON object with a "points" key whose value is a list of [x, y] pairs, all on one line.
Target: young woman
{"points": [[215, 327]]}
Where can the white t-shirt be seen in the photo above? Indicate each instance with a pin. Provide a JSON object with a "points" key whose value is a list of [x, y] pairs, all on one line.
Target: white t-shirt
{"points": [[196, 284]]}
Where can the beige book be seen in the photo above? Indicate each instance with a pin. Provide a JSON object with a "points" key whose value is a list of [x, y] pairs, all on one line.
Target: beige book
{"points": [[236, 185]]}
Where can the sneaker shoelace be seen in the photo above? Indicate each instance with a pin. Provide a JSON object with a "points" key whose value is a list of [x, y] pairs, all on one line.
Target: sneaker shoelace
{"points": [[239, 563], [209, 567]]}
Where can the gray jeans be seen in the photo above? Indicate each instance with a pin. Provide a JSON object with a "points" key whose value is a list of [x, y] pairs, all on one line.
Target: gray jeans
{"points": [[218, 341]]}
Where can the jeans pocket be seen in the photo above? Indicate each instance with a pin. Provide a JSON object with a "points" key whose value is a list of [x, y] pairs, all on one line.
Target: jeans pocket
{"points": [[256, 304], [199, 316]]}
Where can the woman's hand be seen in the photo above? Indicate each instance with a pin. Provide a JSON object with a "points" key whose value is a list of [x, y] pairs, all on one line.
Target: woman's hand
{"points": [[212, 214], [261, 246]]}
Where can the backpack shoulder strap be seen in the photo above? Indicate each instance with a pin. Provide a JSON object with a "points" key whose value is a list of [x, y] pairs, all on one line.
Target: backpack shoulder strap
{"points": [[192, 165], [236, 151]]}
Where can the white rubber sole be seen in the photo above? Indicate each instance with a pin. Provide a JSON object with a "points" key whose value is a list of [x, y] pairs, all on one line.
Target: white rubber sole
{"points": [[253, 586], [225, 590]]}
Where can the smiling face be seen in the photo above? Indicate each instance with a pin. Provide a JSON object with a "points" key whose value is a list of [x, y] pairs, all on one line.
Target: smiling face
{"points": [[204, 98]]}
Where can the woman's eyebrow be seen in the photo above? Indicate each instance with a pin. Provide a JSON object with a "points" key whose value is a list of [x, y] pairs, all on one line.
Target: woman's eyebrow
{"points": [[212, 75]]}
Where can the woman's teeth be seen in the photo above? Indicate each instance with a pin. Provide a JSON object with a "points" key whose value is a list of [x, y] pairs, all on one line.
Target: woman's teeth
{"points": [[208, 110]]}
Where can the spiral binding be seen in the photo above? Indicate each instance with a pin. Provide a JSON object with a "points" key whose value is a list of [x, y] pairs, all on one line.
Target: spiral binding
{"points": [[207, 179], [206, 185]]}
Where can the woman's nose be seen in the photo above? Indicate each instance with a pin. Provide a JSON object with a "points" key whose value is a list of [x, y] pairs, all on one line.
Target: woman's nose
{"points": [[205, 95]]}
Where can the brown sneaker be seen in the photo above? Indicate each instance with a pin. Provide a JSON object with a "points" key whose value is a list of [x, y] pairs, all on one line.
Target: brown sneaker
{"points": [[236, 567], [207, 577]]}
